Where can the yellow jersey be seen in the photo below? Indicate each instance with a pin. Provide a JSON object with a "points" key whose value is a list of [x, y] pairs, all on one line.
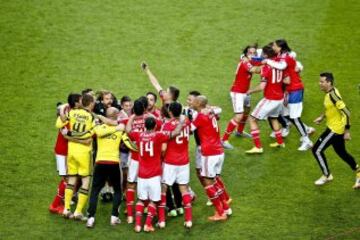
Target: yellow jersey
{"points": [[336, 113], [108, 143], [81, 122]]}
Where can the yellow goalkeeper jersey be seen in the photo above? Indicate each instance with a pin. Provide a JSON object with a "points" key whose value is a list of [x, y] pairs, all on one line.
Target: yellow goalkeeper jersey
{"points": [[336, 112], [81, 123], [108, 143]]}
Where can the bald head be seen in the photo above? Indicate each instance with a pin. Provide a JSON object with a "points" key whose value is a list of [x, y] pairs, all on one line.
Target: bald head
{"points": [[200, 102], [112, 113]]}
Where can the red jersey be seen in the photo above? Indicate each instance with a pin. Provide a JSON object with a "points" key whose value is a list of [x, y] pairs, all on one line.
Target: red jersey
{"points": [[243, 77], [295, 80], [274, 83], [149, 145], [177, 152], [61, 146], [138, 125], [156, 112], [209, 134], [122, 117]]}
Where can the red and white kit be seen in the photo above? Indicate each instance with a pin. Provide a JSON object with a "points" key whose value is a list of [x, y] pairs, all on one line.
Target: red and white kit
{"points": [[212, 153], [240, 86], [176, 167], [272, 103], [150, 170]]}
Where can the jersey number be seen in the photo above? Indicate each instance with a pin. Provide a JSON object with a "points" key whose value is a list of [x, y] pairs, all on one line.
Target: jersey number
{"points": [[276, 76], [79, 127], [149, 147], [185, 134]]}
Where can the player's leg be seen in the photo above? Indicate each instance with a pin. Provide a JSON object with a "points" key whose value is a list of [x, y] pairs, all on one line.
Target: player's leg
{"points": [[154, 193], [340, 149], [220, 186], [324, 141], [98, 182], [57, 205], [183, 179], [238, 106], [177, 198], [277, 129], [72, 170], [85, 163], [208, 173], [240, 129], [131, 188], [139, 211], [115, 180], [162, 206], [255, 133]]}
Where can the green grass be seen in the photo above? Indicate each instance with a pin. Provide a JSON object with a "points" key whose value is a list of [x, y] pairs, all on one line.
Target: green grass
{"points": [[51, 48]]}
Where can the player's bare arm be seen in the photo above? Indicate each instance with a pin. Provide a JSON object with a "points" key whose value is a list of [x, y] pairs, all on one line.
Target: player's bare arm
{"points": [[286, 80], [179, 127], [258, 88], [151, 77], [319, 119], [106, 120], [128, 127]]}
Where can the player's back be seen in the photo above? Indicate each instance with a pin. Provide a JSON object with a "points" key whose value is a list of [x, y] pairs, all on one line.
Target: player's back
{"points": [[295, 80], [108, 141], [274, 89], [81, 121], [209, 134], [150, 146], [177, 152]]}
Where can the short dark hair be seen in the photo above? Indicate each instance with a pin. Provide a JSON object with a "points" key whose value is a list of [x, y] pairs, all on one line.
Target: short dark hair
{"points": [[150, 123], [73, 98], [87, 99], [165, 110], [175, 92], [144, 101], [86, 91], [138, 107], [329, 77], [175, 108], [270, 53], [152, 93], [246, 49], [125, 99], [283, 45], [194, 93]]}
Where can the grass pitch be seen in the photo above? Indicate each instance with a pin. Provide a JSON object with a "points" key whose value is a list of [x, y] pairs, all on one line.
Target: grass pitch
{"points": [[51, 48]]}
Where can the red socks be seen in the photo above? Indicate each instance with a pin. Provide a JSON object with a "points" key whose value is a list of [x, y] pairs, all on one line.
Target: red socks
{"points": [[186, 198], [211, 192], [162, 207], [241, 125], [58, 200], [219, 184], [278, 136], [130, 198], [151, 214], [256, 137], [230, 128], [139, 210]]}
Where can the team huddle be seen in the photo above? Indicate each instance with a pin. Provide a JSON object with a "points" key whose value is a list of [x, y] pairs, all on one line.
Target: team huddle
{"points": [[141, 152]]}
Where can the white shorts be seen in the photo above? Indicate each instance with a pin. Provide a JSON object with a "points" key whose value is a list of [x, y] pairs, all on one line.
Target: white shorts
{"points": [[133, 170], [268, 108], [175, 173], [61, 164], [149, 189], [239, 101], [124, 159], [198, 157], [295, 110], [211, 165]]}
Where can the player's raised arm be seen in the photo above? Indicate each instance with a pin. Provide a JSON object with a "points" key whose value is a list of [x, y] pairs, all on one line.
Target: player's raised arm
{"points": [[151, 77]]}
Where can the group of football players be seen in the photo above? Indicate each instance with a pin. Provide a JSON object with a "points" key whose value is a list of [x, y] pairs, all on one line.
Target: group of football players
{"points": [[141, 152]]}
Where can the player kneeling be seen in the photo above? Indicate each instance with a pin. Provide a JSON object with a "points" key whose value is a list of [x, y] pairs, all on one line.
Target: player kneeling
{"points": [[176, 167], [149, 176]]}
